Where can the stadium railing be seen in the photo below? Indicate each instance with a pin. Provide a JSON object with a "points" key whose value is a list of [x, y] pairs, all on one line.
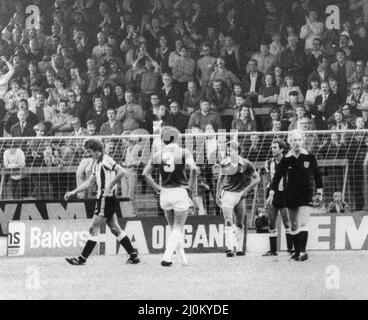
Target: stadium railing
{"points": [[54, 164]]}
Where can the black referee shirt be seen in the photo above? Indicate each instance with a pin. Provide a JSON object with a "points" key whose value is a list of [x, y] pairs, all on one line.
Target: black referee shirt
{"points": [[298, 174]]}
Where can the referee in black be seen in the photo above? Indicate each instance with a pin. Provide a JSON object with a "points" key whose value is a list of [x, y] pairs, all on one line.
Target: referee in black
{"points": [[298, 169]]}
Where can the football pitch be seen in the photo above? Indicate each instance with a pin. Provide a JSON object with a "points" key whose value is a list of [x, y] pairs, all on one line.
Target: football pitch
{"points": [[326, 275]]}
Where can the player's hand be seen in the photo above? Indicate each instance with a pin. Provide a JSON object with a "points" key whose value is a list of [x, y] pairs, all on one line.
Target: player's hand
{"points": [[269, 201], [68, 195]]}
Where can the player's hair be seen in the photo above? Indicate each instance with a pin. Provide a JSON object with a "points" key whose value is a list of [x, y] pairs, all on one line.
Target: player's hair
{"points": [[280, 143], [94, 145], [169, 135], [293, 133]]}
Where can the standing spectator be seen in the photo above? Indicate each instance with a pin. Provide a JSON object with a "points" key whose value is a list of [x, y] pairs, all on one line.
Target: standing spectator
{"points": [[42, 110], [205, 66], [323, 71], [252, 81], [265, 60], [14, 159], [5, 76], [285, 91], [23, 128], [231, 55], [112, 126], [223, 74], [204, 116], [267, 100], [312, 93], [192, 98], [130, 115], [183, 70], [293, 60], [361, 43], [74, 107], [98, 113], [311, 30]]}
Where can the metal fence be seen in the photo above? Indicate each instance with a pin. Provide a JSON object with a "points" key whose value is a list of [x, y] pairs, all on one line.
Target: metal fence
{"points": [[45, 168]]}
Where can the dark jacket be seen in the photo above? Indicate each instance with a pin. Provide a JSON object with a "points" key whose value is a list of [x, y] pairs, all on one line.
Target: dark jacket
{"points": [[197, 119], [329, 108], [28, 131], [179, 121]]}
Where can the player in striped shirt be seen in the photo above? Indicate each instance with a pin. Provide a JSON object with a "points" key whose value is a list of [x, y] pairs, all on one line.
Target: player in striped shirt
{"points": [[278, 204], [106, 173], [172, 162], [237, 178]]}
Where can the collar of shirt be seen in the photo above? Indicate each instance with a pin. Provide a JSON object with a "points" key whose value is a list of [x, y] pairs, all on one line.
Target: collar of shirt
{"points": [[292, 153]]}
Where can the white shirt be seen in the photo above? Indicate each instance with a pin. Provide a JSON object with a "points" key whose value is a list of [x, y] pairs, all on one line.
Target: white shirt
{"points": [[14, 160], [253, 81]]}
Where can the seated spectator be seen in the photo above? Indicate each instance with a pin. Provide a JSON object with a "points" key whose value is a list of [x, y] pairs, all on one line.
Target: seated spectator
{"points": [[276, 125], [359, 123], [240, 101], [358, 74], [12, 97], [223, 74], [252, 81], [112, 126], [265, 60], [176, 118], [324, 107], [244, 123], [78, 130], [315, 54], [161, 119], [169, 92], [300, 114], [130, 115], [355, 99], [276, 47], [98, 113], [14, 159], [285, 91], [12, 116], [288, 110], [192, 98], [23, 128], [312, 142], [204, 116], [205, 66], [340, 96], [267, 100], [92, 128], [42, 110], [75, 108], [337, 123], [275, 115], [323, 71], [348, 115], [278, 76], [61, 121]]}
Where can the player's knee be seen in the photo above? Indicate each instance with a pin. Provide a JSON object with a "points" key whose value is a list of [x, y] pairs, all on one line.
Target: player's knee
{"points": [[115, 232], [228, 223], [239, 225], [93, 231]]}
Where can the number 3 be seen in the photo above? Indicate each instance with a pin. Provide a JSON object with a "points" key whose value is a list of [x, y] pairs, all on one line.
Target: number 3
{"points": [[169, 162]]}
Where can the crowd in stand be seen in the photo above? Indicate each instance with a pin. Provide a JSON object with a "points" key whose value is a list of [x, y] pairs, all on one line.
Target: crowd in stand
{"points": [[109, 68]]}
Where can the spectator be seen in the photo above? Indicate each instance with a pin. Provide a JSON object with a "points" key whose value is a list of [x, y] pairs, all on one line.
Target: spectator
{"points": [[78, 130], [92, 128], [312, 93], [74, 107], [338, 123], [244, 122], [204, 116], [192, 98], [323, 71], [276, 47], [252, 81], [205, 66], [267, 100], [169, 93], [42, 110], [14, 159], [183, 70], [343, 70], [62, 121], [24, 128], [12, 116], [231, 55], [355, 99], [311, 30], [223, 74], [285, 91], [5, 76], [265, 60], [112, 126], [348, 116], [176, 118], [357, 76], [130, 115], [97, 114], [324, 107]]}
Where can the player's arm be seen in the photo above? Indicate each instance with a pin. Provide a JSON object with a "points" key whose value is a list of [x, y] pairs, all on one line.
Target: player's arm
{"points": [[280, 172], [220, 184], [256, 179], [190, 163], [119, 174], [147, 174], [84, 186]]}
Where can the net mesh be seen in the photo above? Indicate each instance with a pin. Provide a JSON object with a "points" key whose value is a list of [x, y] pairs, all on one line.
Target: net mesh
{"points": [[46, 168]]}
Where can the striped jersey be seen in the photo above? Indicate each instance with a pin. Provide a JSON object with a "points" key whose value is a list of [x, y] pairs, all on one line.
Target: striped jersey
{"points": [[104, 173], [271, 167]]}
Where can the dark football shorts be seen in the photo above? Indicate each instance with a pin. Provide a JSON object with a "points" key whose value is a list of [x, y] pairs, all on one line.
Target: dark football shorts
{"points": [[278, 199], [111, 204]]}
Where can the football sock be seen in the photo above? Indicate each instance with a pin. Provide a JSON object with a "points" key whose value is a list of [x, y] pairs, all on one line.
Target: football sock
{"points": [[229, 238], [303, 236], [172, 244], [296, 243], [239, 239], [87, 250], [127, 245], [181, 253], [273, 243], [289, 240]]}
